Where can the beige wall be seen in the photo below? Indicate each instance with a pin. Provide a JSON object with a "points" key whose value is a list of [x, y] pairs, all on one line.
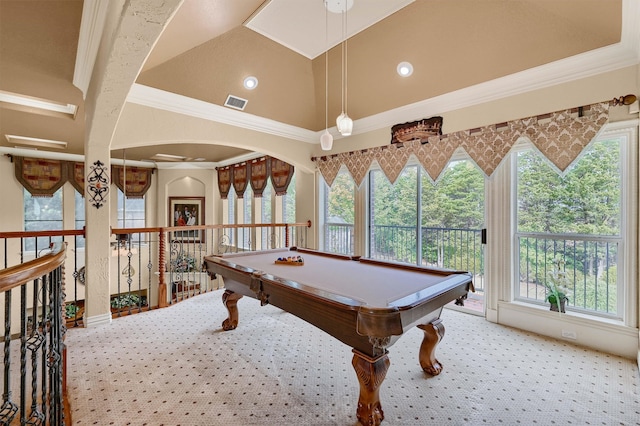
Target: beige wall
{"points": [[145, 126]]}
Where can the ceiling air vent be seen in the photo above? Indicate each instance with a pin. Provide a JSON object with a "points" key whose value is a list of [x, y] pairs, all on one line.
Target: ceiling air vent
{"points": [[235, 102]]}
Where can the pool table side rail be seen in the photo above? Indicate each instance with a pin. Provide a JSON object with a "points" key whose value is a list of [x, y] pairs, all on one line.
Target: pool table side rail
{"points": [[232, 269], [351, 321]]}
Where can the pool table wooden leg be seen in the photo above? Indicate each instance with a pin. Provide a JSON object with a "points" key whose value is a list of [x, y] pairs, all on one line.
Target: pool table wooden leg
{"points": [[230, 300], [433, 333], [371, 372]]}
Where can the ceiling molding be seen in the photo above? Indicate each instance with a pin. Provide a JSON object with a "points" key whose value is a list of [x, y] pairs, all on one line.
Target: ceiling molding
{"points": [[186, 165], [94, 14], [50, 155], [160, 99], [620, 55]]}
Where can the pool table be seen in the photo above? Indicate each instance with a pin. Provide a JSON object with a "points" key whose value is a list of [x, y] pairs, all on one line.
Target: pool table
{"points": [[365, 303]]}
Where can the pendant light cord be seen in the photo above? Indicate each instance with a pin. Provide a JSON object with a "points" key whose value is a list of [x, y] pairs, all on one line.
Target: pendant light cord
{"points": [[343, 57], [326, 66], [346, 40]]}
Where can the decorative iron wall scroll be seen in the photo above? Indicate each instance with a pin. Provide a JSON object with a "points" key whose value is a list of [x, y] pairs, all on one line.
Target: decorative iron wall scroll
{"points": [[560, 136], [257, 172], [98, 184]]}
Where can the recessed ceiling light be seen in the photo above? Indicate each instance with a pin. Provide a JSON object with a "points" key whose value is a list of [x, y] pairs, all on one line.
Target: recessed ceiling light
{"points": [[27, 101], [405, 69], [43, 143], [250, 83]]}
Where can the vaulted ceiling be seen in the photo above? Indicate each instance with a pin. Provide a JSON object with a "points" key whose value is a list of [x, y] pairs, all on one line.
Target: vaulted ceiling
{"points": [[210, 46]]}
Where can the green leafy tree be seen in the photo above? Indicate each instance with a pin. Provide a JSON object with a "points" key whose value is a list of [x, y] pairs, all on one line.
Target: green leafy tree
{"points": [[341, 203]]}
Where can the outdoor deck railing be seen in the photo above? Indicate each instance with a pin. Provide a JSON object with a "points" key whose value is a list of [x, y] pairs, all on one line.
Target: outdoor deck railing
{"points": [[590, 264], [452, 248]]}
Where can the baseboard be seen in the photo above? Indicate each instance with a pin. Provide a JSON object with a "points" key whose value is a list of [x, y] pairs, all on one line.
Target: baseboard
{"points": [[96, 320]]}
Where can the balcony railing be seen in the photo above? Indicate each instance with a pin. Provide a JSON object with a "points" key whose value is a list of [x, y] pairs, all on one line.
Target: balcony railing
{"points": [[33, 362], [151, 267], [338, 238], [591, 266], [452, 248]]}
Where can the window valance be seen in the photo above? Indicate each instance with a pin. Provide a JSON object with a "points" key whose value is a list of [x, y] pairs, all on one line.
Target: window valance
{"points": [[560, 136], [43, 177], [260, 170], [138, 180], [256, 172], [240, 173]]}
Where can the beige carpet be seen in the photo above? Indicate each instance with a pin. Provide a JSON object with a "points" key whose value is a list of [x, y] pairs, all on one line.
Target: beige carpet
{"points": [[175, 366]]}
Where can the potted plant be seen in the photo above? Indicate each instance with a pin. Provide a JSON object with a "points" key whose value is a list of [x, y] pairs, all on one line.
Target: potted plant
{"points": [[183, 262], [557, 285], [126, 300]]}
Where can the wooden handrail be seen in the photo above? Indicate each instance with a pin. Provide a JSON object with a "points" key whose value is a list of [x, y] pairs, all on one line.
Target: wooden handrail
{"points": [[52, 233], [18, 275], [115, 231]]}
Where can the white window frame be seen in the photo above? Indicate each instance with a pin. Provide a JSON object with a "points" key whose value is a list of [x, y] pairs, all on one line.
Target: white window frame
{"points": [[628, 132]]}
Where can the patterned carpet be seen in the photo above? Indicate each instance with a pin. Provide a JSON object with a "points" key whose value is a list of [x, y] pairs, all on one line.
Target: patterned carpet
{"points": [[175, 366]]}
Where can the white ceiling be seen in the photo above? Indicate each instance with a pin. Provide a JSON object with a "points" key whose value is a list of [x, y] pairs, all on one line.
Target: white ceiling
{"points": [[301, 25]]}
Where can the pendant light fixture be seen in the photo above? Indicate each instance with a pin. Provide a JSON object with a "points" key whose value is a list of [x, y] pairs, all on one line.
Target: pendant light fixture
{"points": [[326, 140], [343, 122]]}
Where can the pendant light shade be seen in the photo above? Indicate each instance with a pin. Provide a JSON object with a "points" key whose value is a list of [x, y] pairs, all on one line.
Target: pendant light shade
{"points": [[344, 124], [326, 141]]}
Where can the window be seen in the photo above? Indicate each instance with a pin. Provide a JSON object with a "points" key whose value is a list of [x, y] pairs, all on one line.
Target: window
{"points": [[79, 217], [575, 217], [245, 233], [394, 215], [441, 227], [42, 214], [289, 202], [268, 235], [452, 219], [228, 237], [131, 211], [131, 214], [339, 211]]}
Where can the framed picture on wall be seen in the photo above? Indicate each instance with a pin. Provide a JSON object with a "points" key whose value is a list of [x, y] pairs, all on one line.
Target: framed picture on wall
{"points": [[185, 212]]}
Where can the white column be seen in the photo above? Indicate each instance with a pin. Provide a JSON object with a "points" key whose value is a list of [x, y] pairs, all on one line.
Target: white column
{"points": [[131, 29]]}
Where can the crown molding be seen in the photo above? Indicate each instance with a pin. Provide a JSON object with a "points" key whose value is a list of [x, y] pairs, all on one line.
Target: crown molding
{"points": [[94, 14], [50, 155], [160, 99], [610, 58]]}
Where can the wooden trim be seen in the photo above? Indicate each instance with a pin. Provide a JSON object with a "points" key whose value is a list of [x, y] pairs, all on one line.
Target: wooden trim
{"points": [[15, 276]]}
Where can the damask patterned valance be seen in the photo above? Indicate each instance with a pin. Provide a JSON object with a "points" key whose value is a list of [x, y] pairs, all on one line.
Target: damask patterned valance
{"points": [[260, 170], [138, 180], [257, 172], [560, 136], [240, 175], [43, 177], [224, 181]]}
